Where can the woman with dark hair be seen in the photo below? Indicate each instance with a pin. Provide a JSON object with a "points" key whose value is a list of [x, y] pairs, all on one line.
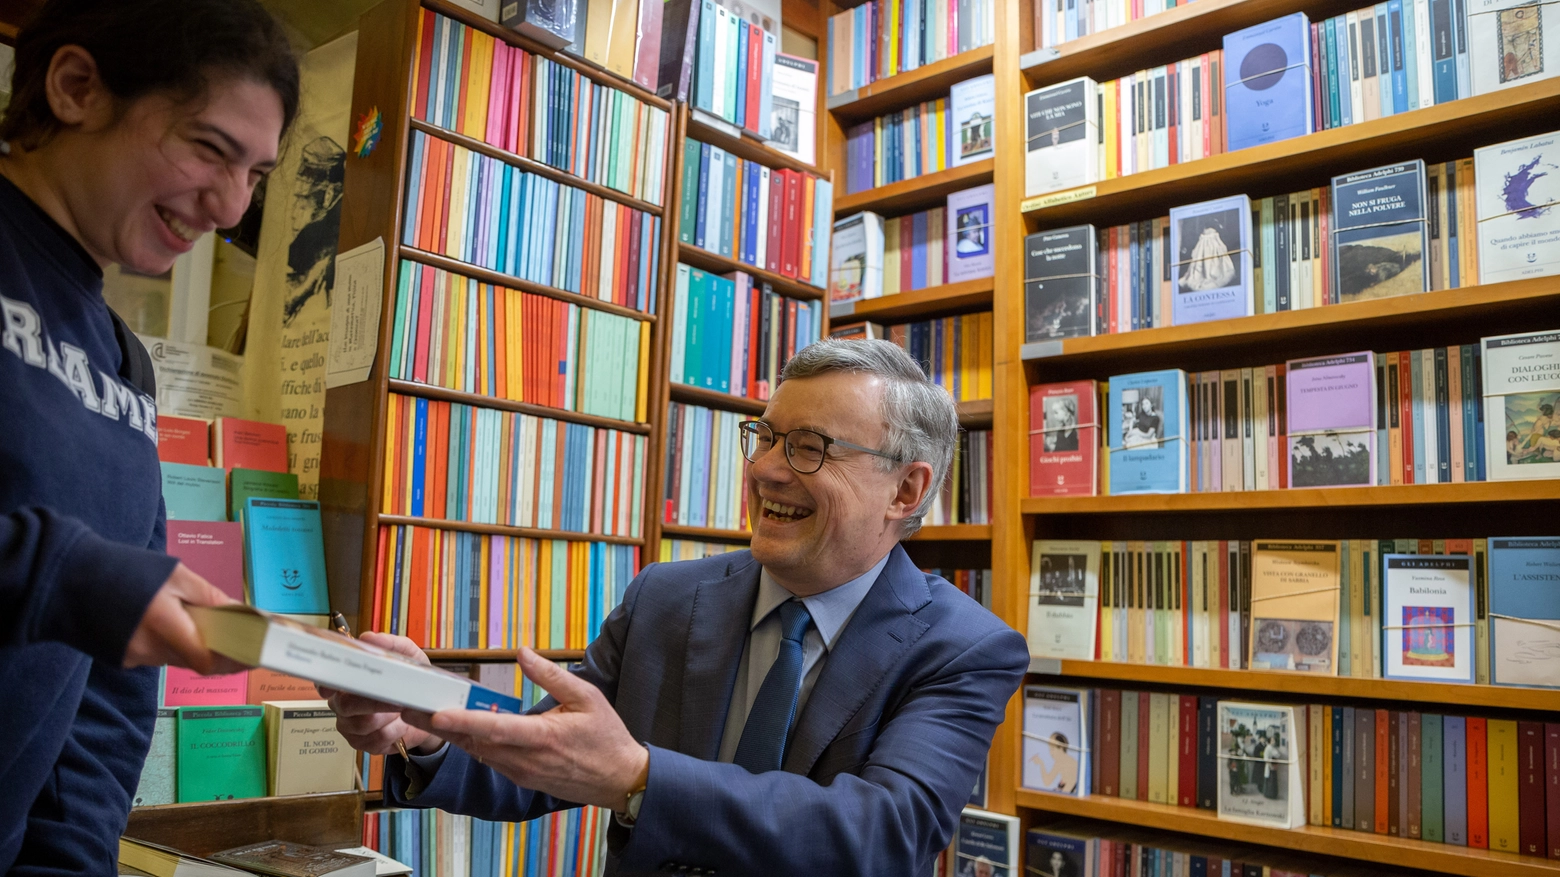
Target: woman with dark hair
{"points": [[134, 127]]}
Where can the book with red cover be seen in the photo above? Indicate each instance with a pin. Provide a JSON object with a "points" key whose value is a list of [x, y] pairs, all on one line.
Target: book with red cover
{"points": [[183, 687], [213, 549], [267, 685], [754, 71], [1394, 776], [1552, 787], [1478, 785], [1063, 439], [647, 52], [791, 240], [776, 196], [249, 444], [1186, 783], [1415, 777], [1110, 742], [183, 440], [1530, 788]]}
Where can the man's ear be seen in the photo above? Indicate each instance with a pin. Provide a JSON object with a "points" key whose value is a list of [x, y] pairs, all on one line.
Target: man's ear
{"points": [[914, 483], [75, 90]]}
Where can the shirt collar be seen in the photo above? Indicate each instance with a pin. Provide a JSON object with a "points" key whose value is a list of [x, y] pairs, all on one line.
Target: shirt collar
{"points": [[830, 610]]}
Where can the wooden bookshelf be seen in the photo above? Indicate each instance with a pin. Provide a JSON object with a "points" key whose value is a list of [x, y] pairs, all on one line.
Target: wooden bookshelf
{"points": [[916, 193], [502, 530], [427, 391], [1438, 133], [465, 269], [918, 304], [715, 263], [953, 533], [716, 399], [704, 534], [718, 132], [333, 819], [495, 655], [1434, 858], [1470, 494], [911, 87], [976, 414]]}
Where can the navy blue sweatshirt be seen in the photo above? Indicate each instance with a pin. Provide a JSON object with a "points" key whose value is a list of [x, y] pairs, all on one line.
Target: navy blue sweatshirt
{"points": [[81, 555]]}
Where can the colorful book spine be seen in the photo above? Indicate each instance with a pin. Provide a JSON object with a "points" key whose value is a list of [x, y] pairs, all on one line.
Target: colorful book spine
{"points": [[434, 842], [900, 145], [755, 214], [733, 335], [966, 494], [733, 67], [704, 466], [883, 38], [686, 549], [955, 352], [915, 251]]}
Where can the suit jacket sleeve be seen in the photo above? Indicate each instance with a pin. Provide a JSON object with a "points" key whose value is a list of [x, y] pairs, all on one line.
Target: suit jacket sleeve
{"points": [[890, 818]]}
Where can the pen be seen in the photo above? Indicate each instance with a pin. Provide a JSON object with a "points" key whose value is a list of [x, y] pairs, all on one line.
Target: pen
{"points": [[339, 621]]}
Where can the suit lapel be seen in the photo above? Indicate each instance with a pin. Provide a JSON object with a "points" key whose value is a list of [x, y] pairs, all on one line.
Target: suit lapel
{"points": [[875, 640], [722, 609]]}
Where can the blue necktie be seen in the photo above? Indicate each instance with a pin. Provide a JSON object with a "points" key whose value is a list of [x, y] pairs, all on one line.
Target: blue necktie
{"points": [[762, 747]]}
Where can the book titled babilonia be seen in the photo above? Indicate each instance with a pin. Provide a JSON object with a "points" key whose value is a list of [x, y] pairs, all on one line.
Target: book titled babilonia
{"points": [[1380, 237]]}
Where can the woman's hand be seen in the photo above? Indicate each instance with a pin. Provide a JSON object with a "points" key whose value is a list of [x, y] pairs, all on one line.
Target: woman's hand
{"points": [[167, 634]]}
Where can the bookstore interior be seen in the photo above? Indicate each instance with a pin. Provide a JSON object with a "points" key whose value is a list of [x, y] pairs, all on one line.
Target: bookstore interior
{"points": [[1229, 455]]}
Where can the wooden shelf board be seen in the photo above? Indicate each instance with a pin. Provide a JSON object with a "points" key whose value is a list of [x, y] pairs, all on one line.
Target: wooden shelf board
{"points": [[1300, 684], [717, 132], [976, 414], [534, 167], [953, 533], [1403, 852], [715, 263], [918, 304], [500, 654], [716, 399], [1445, 131], [706, 534], [916, 193], [1314, 323], [426, 391], [509, 281], [202, 828], [913, 86], [1304, 498], [501, 530]]}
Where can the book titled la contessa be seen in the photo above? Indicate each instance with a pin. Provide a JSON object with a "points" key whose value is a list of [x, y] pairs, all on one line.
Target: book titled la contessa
{"points": [[1380, 238], [1211, 247]]}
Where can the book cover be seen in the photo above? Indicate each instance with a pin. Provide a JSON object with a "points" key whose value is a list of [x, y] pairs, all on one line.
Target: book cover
{"points": [[1504, 765], [1521, 393], [1061, 283], [1294, 606], [1379, 233], [1212, 251], [1524, 611], [1331, 420], [970, 254], [794, 117], [183, 687], [1064, 582], [213, 549], [1064, 442], [1054, 852], [249, 444], [987, 843], [277, 858], [971, 115], [183, 440], [1427, 606], [1510, 43], [267, 685], [1267, 82], [857, 269], [1061, 133], [1055, 756], [1517, 200], [305, 752], [194, 493], [1259, 755], [221, 753], [1147, 433], [285, 556], [156, 785]]}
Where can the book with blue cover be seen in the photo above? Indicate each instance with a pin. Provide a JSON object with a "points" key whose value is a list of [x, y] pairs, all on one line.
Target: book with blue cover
{"points": [[1267, 82], [1524, 611], [1148, 430], [194, 493], [285, 556], [1212, 248], [1380, 236]]}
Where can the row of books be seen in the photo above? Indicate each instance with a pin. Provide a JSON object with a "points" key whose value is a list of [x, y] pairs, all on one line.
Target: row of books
{"points": [[1060, 22], [461, 334], [688, 549], [966, 494], [563, 844], [949, 244], [476, 85], [193, 492], [774, 219], [491, 214], [459, 462], [1460, 780], [450, 589], [734, 67], [881, 38], [704, 466], [733, 335], [1445, 610], [922, 139], [954, 352], [224, 442], [975, 582]]}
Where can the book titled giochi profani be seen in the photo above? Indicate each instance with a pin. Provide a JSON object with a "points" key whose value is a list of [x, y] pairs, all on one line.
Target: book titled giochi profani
{"points": [[1379, 232], [1518, 202], [1211, 247]]}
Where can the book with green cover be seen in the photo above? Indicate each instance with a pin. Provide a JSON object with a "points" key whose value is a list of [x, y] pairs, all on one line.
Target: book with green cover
{"points": [[220, 753], [193, 493], [245, 483], [157, 777], [1431, 749]]}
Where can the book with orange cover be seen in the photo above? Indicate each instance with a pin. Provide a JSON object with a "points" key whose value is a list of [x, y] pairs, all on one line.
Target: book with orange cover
{"points": [[249, 444], [183, 440]]}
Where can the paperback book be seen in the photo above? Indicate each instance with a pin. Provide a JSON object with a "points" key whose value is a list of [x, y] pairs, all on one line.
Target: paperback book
{"points": [[1521, 395], [794, 119], [1064, 439], [1427, 620], [1379, 233], [285, 556], [1212, 251], [214, 549], [970, 254], [1054, 853], [1061, 283], [987, 843], [1267, 82], [1056, 750], [245, 483], [1518, 203], [183, 440], [857, 270], [1332, 420], [306, 754], [1064, 588], [1294, 606], [1511, 42], [1260, 750], [221, 753], [157, 782], [971, 108], [1524, 611], [1148, 434], [193, 492], [1061, 135]]}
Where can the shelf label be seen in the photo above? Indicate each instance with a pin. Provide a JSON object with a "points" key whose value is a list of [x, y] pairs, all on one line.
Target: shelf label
{"points": [[1040, 349], [842, 309], [1040, 202], [1047, 666]]}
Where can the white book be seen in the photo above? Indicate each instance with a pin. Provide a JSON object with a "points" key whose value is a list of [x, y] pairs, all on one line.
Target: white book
{"points": [[1518, 204], [1064, 588], [968, 239], [722, 62], [1056, 740], [1521, 395], [1426, 55], [1356, 74], [971, 110], [762, 257], [714, 204], [1511, 42], [767, 88], [1260, 749], [1061, 127], [857, 269], [794, 117], [1427, 625]]}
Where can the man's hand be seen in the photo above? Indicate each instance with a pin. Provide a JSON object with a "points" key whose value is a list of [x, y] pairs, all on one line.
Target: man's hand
{"points": [[579, 751], [167, 634], [371, 726]]}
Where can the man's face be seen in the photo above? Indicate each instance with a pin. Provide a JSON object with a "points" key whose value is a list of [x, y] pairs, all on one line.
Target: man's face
{"points": [[814, 532]]}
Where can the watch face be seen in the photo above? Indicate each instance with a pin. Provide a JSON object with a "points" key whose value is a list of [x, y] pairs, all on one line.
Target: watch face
{"points": [[634, 801]]}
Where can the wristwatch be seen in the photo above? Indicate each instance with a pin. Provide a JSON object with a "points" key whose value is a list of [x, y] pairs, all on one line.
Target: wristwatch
{"points": [[631, 804]]}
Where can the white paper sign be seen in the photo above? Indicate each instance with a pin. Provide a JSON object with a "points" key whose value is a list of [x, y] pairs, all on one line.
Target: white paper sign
{"points": [[354, 313], [194, 380]]}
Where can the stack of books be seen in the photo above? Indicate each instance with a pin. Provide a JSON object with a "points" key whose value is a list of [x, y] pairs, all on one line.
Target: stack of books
{"points": [[949, 244]]}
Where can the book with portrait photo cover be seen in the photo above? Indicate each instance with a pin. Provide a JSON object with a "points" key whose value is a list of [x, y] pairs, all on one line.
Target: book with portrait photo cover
{"points": [[1380, 239], [1064, 439], [1064, 590], [1260, 774], [1148, 433], [1332, 420], [1427, 617], [970, 252], [1211, 246], [1056, 851], [1295, 591], [1517, 199], [986, 844], [1522, 405], [1056, 740]]}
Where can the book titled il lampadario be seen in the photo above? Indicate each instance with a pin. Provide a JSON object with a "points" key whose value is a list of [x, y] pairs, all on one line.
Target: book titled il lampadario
{"points": [[260, 639]]}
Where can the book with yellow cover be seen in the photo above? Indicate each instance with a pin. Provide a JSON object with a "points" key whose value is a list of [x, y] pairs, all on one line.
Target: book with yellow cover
{"points": [[306, 752], [1294, 606]]}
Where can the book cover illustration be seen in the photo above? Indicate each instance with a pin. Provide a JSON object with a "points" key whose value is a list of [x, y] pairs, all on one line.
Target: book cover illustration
{"points": [[1211, 245], [1056, 753], [1063, 451], [1258, 759], [971, 106], [1511, 43], [1521, 397], [793, 127], [969, 249], [1053, 854], [857, 269], [1147, 433], [987, 844], [1060, 134], [1518, 205], [1332, 420], [1064, 586], [1267, 82], [1427, 613], [1294, 606], [1524, 611], [1060, 283], [1379, 233]]}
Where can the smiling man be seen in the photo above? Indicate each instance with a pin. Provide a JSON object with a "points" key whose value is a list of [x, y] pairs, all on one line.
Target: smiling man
{"points": [[816, 705]]}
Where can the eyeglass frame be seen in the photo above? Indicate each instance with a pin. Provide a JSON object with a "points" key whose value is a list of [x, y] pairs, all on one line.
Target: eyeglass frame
{"points": [[744, 427]]}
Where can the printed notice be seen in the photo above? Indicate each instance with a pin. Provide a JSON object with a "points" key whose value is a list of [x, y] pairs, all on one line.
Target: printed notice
{"points": [[354, 314], [194, 380]]}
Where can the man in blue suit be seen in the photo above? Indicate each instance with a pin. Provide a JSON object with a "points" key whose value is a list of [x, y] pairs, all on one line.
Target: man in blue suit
{"points": [[814, 706]]}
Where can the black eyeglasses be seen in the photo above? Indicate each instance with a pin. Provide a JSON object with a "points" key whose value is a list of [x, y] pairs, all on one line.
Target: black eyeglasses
{"points": [[805, 449]]}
